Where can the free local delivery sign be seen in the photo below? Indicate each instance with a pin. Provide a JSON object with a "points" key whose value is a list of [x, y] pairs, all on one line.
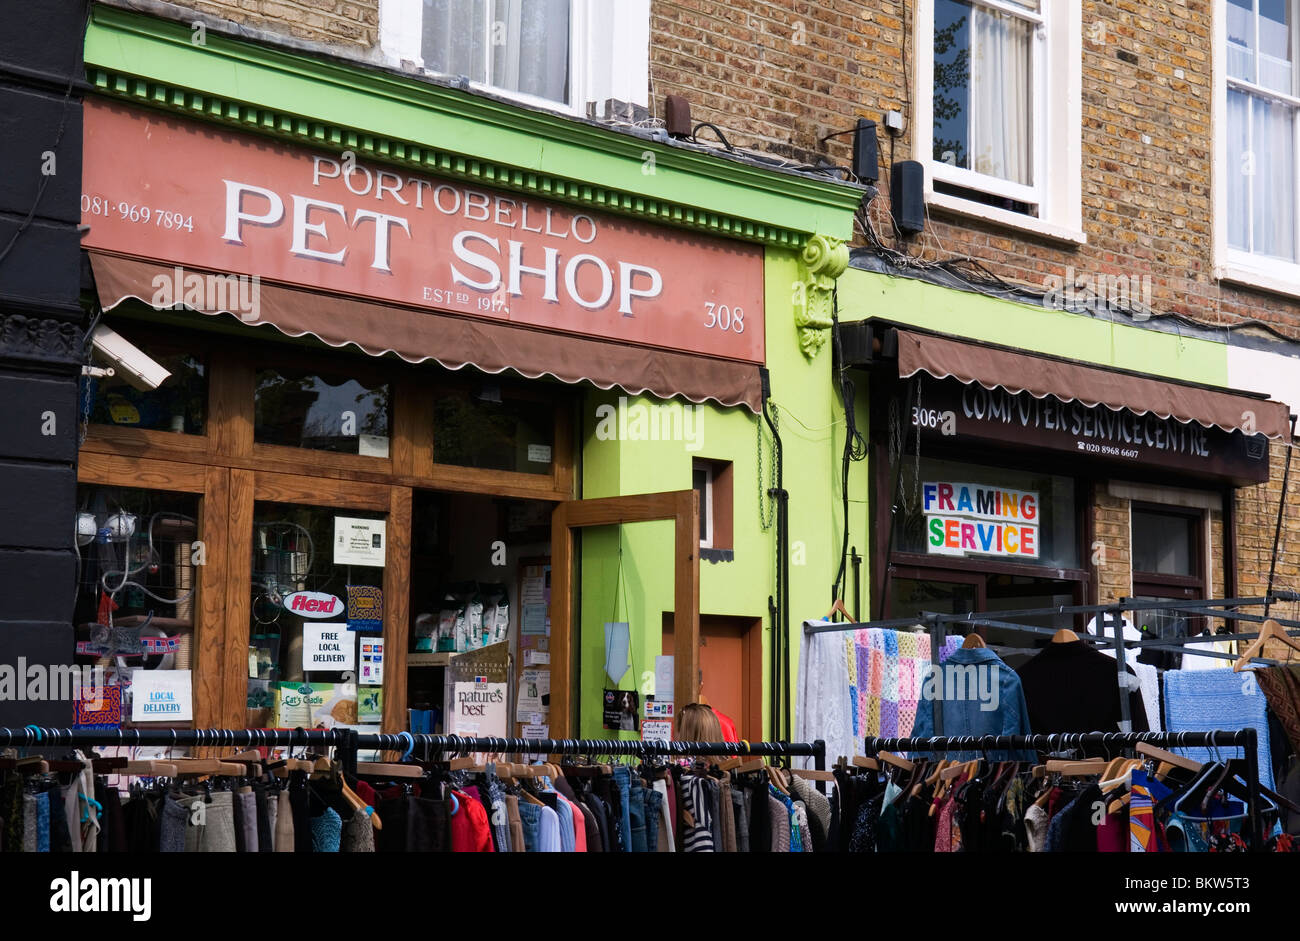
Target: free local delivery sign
{"points": [[977, 519]]}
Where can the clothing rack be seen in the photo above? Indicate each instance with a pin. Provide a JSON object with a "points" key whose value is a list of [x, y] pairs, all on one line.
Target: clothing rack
{"points": [[1110, 619], [349, 741], [1247, 739]]}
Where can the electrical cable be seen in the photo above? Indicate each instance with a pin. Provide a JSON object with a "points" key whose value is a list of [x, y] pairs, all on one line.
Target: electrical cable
{"points": [[855, 444]]}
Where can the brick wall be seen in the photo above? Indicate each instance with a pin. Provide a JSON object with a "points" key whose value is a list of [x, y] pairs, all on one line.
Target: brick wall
{"points": [[1256, 509], [1110, 553], [779, 74], [343, 23]]}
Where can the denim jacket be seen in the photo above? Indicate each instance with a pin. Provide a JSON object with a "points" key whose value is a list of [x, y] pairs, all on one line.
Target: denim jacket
{"points": [[981, 696]]}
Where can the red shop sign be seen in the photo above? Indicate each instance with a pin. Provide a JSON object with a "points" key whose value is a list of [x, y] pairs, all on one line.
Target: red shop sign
{"points": [[191, 194]]}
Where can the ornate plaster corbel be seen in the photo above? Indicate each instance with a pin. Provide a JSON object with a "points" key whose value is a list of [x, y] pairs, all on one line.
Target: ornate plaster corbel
{"points": [[822, 261]]}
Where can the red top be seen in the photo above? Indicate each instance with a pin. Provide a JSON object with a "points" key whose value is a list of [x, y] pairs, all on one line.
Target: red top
{"points": [[729, 733], [470, 832]]}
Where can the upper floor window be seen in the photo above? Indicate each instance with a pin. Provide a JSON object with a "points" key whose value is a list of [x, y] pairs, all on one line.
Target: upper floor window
{"points": [[998, 104], [552, 53], [1262, 97]]}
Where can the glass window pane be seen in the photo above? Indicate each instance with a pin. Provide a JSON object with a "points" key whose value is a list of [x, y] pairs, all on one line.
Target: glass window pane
{"points": [[1241, 40], [324, 413], [1057, 540], [1273, 181], [983, 90], [136, 582], [179, 404], [455, 37], [495, 427], [293, 553], [1164, 543], [1275, 45], [1240, 169], [530, 47]]}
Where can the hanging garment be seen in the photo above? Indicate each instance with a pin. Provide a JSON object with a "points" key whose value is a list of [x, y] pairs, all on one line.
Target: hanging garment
{"points": [[1148, 676], [1281, 686], [667, 841], [285, 839], [358, 834], [218, 834], [822, 704], [740, 810], [1036, 827], [780, 818], [981, 696], [327, 832], [515, 819], [470, 830], [1219, 699], [1073, 687], [698, 833], [548, 831], [1209, 663]]}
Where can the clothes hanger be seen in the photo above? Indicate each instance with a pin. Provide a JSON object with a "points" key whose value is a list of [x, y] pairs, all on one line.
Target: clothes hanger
{"points": [[838, 607], [1064, 636], [1078, 769], [1271, 630], [378, 769], [973, 641], [890, 758]]}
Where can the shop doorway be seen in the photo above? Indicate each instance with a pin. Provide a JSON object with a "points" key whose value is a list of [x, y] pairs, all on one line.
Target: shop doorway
{"points": [[731, 668], [475, 563], [681, 506]]}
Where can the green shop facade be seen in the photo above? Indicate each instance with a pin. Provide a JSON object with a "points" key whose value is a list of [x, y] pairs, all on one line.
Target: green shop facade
{"points": [[476, 396], [455, 389]]}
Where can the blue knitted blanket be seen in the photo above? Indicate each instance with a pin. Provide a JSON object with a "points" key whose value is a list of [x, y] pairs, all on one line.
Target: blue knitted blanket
{"points": [[1205, 700]]}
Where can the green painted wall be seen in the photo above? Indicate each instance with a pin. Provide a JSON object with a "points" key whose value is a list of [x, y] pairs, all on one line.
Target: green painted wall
{"points": [[812, 433], [1040, 329]]}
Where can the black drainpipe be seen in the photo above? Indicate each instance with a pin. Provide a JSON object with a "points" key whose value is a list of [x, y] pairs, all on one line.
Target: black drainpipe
{"points": [[781, 622]]}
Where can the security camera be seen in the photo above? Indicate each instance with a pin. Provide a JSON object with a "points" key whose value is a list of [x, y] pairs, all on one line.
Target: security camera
{"points": [[137, 368]]}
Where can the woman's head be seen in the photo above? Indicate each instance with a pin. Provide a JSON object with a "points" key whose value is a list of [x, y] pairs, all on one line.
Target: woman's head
{"points": [[698, 723]]}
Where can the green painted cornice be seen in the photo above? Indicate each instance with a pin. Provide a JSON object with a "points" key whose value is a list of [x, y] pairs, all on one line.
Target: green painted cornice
{"points": [[447, 132]]}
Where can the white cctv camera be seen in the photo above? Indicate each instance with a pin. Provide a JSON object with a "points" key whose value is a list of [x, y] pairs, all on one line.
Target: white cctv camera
{"points": [[127, 358]]}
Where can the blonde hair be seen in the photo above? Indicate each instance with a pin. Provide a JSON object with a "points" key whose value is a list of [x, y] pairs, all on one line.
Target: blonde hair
{"points": [[698, 723]]}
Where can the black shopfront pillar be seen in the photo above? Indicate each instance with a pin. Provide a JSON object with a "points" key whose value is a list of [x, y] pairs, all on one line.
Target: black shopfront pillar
{"points": [[42, 330]]}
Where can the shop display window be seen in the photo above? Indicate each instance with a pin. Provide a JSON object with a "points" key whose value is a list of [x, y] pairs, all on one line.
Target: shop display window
{"points": [[315, 617], [952, 510], [138, 553], [178, 405], [495, 427], [303, 409]]}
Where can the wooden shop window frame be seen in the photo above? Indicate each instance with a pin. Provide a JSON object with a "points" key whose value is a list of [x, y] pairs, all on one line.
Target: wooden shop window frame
{"points": [[232, 472], [247, 488], [680, 506], [212, 487]]}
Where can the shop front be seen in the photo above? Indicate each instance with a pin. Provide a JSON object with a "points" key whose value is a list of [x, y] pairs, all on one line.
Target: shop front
{"points": [[385, 376], [1030, 477]]}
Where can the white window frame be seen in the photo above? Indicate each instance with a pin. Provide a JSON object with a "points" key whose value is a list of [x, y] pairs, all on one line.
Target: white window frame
{"points": [[1057, 126], [706, 505], [609, 47], [1233, 264]]}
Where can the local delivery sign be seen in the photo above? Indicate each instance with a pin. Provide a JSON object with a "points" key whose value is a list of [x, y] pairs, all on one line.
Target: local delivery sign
{"points": [[977, 519]]}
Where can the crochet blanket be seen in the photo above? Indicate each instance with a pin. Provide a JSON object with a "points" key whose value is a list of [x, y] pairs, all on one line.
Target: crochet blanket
{"points": [[854, 684], [1204, 700]]}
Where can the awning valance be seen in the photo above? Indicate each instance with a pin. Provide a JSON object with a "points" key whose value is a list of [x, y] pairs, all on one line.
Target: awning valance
{"points": [[1070, 381], [417, 335]]}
